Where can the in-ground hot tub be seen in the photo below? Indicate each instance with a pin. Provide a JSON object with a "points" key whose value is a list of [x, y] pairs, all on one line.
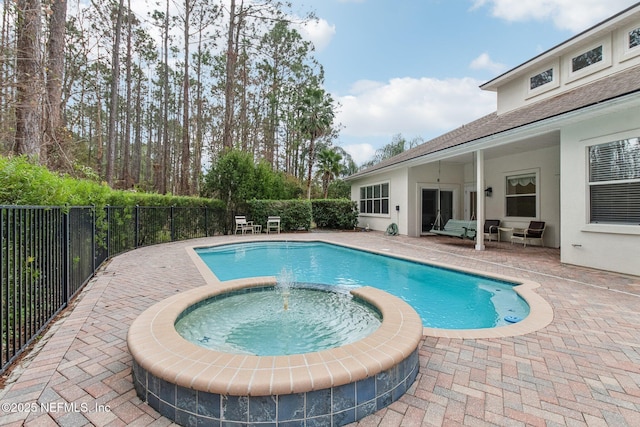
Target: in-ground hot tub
{"points": [[192, 385]]}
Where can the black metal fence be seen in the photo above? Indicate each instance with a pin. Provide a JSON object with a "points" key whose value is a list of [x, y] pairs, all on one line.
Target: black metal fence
{"points": [[49, 253]]}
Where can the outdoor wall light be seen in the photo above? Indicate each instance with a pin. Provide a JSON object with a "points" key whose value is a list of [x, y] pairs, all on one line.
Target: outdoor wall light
{"points": [[488, 192]]}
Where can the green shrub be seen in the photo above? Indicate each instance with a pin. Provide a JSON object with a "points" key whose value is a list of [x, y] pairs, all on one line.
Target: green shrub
{"points": [[339, 214], [294, 214], [25, 183], [339, 189]]}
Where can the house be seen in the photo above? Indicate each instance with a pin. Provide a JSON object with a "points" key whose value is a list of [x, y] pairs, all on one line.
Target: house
{"points": [[563, 147]]}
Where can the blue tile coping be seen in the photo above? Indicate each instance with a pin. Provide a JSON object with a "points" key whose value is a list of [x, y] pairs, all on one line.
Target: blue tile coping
{"points": [[335, 406]]}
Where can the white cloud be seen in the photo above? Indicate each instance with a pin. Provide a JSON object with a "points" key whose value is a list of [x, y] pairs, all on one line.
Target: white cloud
{"points": [[425, 107], [360, 153], [319, 32], [484, 62], [569, 15], [373, 112], [364, 86]]}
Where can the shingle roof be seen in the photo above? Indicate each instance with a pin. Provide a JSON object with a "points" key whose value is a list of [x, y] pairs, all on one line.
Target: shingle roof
{"points": [[613, 86]]}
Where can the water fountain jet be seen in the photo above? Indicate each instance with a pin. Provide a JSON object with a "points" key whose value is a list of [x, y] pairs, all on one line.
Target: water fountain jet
{"points": [[285, 280]]}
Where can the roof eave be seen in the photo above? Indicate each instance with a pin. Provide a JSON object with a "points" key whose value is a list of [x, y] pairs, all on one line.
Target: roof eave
{"points": [[504, 137]]}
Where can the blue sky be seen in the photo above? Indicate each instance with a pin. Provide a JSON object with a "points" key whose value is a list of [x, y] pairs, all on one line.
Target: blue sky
{"points": [[413, 67]]}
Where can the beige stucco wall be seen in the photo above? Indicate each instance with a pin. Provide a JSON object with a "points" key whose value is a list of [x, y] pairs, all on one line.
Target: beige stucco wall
{"points": [[397, 197], [607, 247], [602, 246], [445, 175], [616, 56], [406, 184], [546, 163]]}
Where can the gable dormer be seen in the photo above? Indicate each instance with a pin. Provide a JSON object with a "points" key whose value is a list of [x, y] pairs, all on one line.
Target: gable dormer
{"points": [[603, 50]]}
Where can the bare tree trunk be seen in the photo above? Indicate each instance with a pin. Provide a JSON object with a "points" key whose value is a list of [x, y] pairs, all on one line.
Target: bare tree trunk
{"points": [[164, 169], [30, 81], [5, 53], [310, 165], [55, 140], [232, 57], [185, 160], [127, 182], [197, 149], [137, 144], [113, 108], [153, 146], [243, 118], [100, 142]]}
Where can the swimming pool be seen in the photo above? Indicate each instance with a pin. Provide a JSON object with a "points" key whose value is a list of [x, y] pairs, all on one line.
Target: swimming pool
{"points": [[443, 298]]}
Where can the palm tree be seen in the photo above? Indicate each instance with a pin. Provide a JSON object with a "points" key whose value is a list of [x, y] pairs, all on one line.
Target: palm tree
{"points": [[397, 145], [316, 118], [329, 167]]}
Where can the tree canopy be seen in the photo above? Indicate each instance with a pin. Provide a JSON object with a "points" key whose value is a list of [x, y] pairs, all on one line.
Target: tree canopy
{"points": [[397, 145], [151, 101]]}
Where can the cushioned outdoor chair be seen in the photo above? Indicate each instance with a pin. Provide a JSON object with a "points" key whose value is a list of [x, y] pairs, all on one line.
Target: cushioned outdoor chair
{"points": [[535, 231], [491, 228]]}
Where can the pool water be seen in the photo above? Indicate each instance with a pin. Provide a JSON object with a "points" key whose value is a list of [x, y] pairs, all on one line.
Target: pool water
{"points": [[275, 322], [443, 298]]}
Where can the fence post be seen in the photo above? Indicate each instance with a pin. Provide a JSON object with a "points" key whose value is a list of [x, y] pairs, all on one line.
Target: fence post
{"points": [[137, 226], [93, 237], [108, 231], [66, 271], [173, 236], [206, 223]]}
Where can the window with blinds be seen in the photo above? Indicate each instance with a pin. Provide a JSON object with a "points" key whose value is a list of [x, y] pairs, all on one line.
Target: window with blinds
{"points": [[521, 196], [614, 182]]}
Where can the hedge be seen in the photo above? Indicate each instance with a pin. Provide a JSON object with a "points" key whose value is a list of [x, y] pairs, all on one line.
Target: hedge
{"points": [[294, 214], [337, 214]]}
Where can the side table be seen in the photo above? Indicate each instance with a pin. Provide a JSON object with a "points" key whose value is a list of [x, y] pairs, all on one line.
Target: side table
{"points": [[504, 230]]}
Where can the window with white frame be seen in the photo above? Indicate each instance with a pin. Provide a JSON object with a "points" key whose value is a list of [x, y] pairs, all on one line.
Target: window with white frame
{"points": [[544, 79], [631, 46], [614, 182], [522, 195], [584, 60], [634, 38], [541, 79], [374, 199]]}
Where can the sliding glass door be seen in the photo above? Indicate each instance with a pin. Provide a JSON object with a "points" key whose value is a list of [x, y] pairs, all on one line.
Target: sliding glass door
{"points": [[436, 208]]}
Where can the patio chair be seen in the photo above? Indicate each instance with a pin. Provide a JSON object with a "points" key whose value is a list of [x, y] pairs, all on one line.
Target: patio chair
{"points": [[458, 228], [273, 224], [242, 225], [535, 231], [491, 228]]}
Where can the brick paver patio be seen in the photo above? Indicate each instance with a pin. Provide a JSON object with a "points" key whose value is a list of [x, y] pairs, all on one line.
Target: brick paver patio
{"points": [[581, 370]]}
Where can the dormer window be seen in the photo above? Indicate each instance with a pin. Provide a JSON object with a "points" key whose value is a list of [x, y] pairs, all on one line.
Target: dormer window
{"points": [[631, 46], [541, 79], [586, 59], [590, 59], [634, 38]]}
